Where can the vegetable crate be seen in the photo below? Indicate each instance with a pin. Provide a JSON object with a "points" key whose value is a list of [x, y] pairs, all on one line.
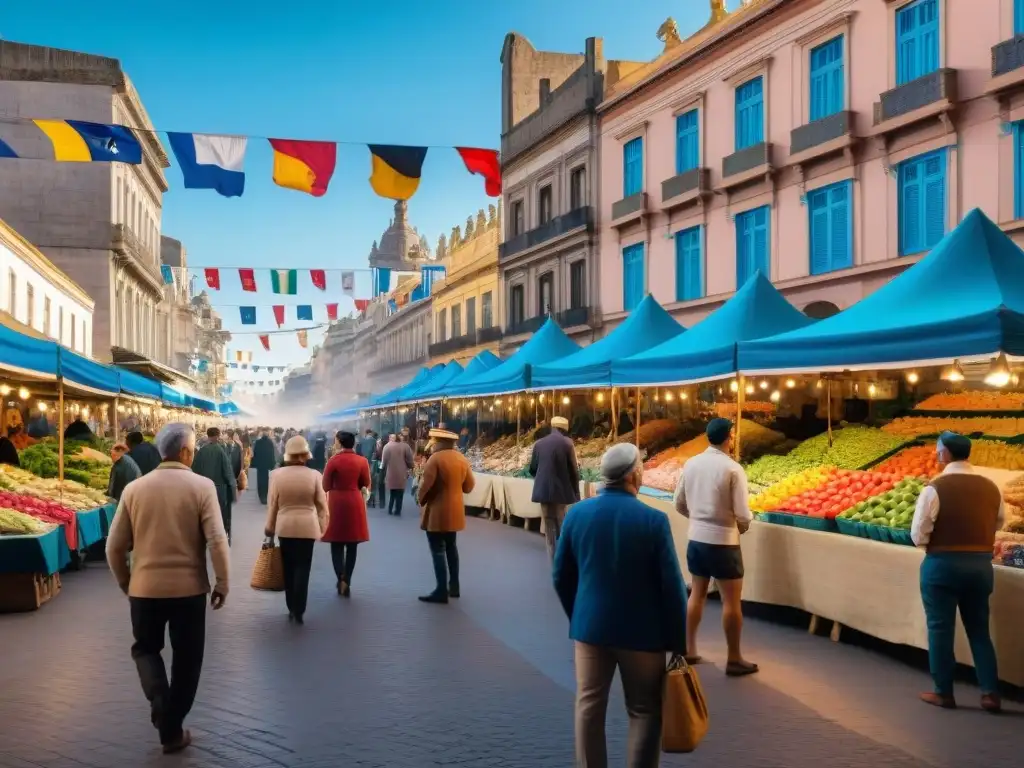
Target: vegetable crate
{"points": [[875, 532], [22, 592]]}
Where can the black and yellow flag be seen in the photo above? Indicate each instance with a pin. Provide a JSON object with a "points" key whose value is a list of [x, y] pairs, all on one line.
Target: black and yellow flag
{"points": [[395, 170]]}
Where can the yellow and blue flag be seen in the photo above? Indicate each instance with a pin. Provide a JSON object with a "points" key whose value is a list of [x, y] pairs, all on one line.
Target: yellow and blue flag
{"points": [[395, 170]]}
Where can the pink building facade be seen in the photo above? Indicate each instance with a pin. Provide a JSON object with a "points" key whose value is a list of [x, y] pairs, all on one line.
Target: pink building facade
{"points": [[829, 144]]}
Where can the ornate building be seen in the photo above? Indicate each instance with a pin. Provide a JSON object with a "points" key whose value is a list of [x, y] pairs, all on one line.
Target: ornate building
{"points": [[465, 316]]}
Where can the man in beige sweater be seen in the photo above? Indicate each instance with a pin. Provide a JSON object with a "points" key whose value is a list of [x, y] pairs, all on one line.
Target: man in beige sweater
{"points": [[166, 521]]}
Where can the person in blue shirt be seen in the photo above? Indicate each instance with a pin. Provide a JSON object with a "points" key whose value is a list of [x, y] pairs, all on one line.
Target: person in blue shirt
{"points": [[617, 575]]}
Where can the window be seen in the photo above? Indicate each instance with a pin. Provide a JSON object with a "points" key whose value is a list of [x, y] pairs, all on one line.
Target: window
{"points": [[917, 40], [1018, 17], [578, 284], [516, 305], [687, 142], [1018, 167], [74, 332], [487, 310], [30, 305], [750, 113], [689, 264], [633, 167], [517, 218], [632, 276], [46, 316], [922, 201], [456, 321], [442, 325], [12, 293], [828, 90], [577, 188], [545, 293], [544, 204], [752, 249], [471, 315], [831, 227], [60, 326]]}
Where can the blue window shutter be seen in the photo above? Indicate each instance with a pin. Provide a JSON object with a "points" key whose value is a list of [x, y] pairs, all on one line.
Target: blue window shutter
{"points": [[1018, 164], [910, 199], [817, 205], [687, 142], [689, 264], [753, 248], [934, 188], [828, 94], [632, 276], [841, 225], [1018, 17], [742, 248], [917, 40], [762, 248], [633, 169], [750, 114]]}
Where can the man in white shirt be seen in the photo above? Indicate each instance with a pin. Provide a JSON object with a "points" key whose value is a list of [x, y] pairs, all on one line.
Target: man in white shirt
{"points": [[955, 520], [712, 493]]}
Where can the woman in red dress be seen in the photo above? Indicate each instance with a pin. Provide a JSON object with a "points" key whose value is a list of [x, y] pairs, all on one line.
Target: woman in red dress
{"points": [[345, 477]]}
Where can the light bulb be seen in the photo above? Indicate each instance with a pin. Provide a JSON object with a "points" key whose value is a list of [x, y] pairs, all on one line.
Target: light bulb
{"points": [[734, 387], [668, 397], [749, 389], [656, 397], [23, 393], [85, 413], [498, 401], [818, 384], [492, 409], [764, 385], [913, 378], [954, 373], [566, 400], [872, 390], [999, 373], [42, 407], [541, 397], [790, 383], [775, 396], [600, 397], [683, 396], [5, 390]]}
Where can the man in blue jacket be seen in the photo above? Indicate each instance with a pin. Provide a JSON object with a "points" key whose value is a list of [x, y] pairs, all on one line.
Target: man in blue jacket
{"points": [[617, 575]]}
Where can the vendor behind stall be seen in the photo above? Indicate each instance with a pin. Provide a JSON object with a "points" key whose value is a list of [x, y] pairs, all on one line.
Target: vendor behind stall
{"points": [[123, 472], [8, 452], [78, 430]]}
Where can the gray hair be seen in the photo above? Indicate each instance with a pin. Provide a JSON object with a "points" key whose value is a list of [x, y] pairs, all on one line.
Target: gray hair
{"points": [[172, 438], [619, 462]]}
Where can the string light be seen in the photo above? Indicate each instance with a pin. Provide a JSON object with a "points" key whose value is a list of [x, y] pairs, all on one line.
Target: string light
{"points": [[913, 378], [5, 390], [42, 407], [764, 385], [872, 390], [790, 384], [668, 397], [749, 389], [683, 396], [775, 396], [24, 394], [734, 386], [600, 397], [566, 400]]}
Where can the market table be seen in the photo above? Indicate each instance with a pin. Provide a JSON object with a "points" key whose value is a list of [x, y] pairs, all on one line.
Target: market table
{"points": [[90, 527], [45, 553], [107, 513]]}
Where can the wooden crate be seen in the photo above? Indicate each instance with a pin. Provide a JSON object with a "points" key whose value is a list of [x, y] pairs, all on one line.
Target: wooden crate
{"points": [[20, 592]]}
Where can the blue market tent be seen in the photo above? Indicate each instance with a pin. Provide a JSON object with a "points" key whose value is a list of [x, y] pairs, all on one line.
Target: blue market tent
{"points": [[141, 386], [547, 345], [964, 299], [398, 394], [172, 397], [647, 326], [430, 387], [480, 364], [708, 349], [26, 355], [83, 373]]}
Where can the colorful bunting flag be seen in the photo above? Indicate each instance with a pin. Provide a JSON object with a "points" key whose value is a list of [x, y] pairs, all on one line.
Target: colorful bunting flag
{"points": [[212, 278], [248, 278], [362, 305], [304, 312], [319, 278], [211, 162], [6, 151], [348, 283], [279, 314], [303, 339], [256, 369], [243, 356], [265, 341], [486, 163], [248, 315], [167, 274], [332, 311], [284, 281], [304, 165], [395, 170], [75, 141], [233, 365]]}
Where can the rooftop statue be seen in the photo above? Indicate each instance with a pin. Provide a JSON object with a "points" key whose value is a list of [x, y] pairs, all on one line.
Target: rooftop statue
{"points": [[668, 33]]}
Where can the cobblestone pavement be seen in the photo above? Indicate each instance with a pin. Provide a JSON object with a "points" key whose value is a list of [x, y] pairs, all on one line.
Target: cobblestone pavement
{"points": [[486, 682]]}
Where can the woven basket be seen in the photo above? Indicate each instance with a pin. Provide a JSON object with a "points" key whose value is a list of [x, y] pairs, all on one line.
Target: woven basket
{"points": [[268, 573]]}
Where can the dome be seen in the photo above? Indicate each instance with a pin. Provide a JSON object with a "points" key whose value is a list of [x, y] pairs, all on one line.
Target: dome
{"points": [[401, 247]]}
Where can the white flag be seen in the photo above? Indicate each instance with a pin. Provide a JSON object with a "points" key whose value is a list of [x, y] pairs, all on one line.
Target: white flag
{"points": [[348, 283]]}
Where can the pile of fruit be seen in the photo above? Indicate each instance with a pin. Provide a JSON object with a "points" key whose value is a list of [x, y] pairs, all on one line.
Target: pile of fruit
{"points": [[1013, 497], [916, 461], [773, 497], [915, 426], [82, 463], [892, 509], [13, 522], [843, 489], [973, 401], [70, 494], [728, 410]]}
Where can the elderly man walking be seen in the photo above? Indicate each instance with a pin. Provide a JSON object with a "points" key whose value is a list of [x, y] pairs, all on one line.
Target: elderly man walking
{"points": [[618, 578], [955, 521], [556, 476], [167, 520], [447, 477], [397, 461], [213, 461]]}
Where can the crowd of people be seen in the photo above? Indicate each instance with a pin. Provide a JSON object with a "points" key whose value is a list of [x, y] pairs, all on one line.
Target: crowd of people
{"points": [[614, 563]]}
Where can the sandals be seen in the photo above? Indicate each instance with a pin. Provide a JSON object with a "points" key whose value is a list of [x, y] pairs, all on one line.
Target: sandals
{"points": [[740, 668]]}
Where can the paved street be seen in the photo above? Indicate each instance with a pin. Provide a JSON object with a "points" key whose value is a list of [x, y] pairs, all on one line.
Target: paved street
{"points": [[486, 682]]}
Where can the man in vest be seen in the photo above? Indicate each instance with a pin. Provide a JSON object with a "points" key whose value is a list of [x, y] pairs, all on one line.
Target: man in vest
{"points": [[955, 521]]}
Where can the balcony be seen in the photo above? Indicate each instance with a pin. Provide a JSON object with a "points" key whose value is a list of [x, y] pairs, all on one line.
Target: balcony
{"points": [[820, 138], [131, 253], [629, 209], [685, 188], [747, 165], [931, 96], [458, 343], [515, 328], [581, 219], [570, 318], [489, 334], [1007, 65]]}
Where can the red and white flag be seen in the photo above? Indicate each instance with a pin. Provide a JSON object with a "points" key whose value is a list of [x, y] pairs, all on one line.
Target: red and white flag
{"points": [[319, 278], [248, 278], [212, 278]]}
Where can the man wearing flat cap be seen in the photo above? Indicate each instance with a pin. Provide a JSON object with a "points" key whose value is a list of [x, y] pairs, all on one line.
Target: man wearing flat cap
{"points": [[712, 493], [955, 521], [447, 477], [556, 476]]}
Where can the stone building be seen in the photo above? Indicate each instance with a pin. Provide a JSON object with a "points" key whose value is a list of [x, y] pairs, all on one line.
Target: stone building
{"points": [[98, 222], [549, 142], [465, 316]]}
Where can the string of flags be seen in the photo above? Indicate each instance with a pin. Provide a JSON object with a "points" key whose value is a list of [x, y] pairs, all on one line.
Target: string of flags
{"points": [[217, 162], [247, 314], [284, 282]]}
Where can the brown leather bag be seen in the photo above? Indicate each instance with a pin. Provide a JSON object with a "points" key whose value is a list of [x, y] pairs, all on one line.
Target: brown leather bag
{"points": [[684, 712], [243, 480]]}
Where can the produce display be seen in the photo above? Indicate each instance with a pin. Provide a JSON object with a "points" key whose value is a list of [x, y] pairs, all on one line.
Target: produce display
{"points": [[82, 463], [772, 498], [915, 461], [973, 401], [842, 489], [892, 509], [15, 523], [70, 494], [915, 426]]}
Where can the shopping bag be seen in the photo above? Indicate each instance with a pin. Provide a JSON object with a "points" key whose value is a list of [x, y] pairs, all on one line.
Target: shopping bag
{"points": [[684, 712], [243, 480], [268, 573]]}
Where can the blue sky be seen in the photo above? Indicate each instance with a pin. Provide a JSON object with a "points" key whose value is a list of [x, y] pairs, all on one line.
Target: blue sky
{"points": [[399, 72]]}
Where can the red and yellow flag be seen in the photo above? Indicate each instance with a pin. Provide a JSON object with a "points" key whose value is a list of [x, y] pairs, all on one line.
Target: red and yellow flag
{"points": [[304, 165]]}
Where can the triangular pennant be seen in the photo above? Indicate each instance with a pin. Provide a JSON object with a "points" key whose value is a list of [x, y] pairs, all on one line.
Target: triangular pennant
{"points": [[303, 339], [279, 314], [265, 341], [332, 311]]}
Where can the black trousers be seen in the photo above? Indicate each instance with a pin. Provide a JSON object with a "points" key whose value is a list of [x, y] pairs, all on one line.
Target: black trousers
{"points": [[262, 484], [343, 557], [382, 490], [445, 554], [395, 499], [185, 618], [297, 559]]}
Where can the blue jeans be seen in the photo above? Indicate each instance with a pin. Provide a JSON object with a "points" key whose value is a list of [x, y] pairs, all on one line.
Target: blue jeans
{"points": [[964, 580]]}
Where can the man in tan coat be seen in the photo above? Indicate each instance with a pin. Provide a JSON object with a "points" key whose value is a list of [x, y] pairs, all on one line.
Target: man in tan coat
{"points": [[166, 521], [446, 479]]}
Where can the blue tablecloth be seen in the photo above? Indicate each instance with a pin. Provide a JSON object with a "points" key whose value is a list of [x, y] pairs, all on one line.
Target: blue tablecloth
{"points": [[107, 516], [90, 527], [654, 493], [43, 553]]}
